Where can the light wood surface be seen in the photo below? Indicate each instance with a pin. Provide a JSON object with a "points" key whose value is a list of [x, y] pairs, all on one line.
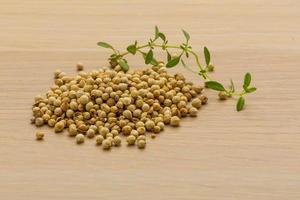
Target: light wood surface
{"points": [[221, 154]]}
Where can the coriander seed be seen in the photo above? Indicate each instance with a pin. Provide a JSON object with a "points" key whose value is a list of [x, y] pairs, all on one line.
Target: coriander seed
{"points": [[39, 135], [196, 103], [90, 133], [193, 112], [99, 139], [175, 121], [130, 140], [79, 138], [141, 144], [59, 126], [117, 140], [79, 66], [106, 144], [222, 95]]}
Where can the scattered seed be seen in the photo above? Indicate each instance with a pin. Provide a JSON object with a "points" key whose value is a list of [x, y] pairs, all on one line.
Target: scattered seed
{"points": [[79, 138], [141, 144], [39, 135]]}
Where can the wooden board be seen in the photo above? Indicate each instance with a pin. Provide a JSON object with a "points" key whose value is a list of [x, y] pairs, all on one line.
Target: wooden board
{"points": [[221, 154]]}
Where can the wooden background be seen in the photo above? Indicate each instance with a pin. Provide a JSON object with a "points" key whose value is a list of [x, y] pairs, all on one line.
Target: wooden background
{"points": [[221, 154]]}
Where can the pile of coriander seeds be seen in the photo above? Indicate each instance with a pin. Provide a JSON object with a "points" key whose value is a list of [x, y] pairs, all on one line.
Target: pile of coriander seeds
{"points": [[109, 104]]}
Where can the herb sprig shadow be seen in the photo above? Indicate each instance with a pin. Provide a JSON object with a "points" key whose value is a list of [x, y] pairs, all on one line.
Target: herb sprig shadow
{"points": [[185, 52]]}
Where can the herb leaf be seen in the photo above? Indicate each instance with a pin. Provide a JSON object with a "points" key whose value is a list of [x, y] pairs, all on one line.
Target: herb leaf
{"points": [[149, 57], [156, 32], [173, 62], [207, 56], [240, 104], [186, 35], [215, 85], [247, 80], [162, 36], [123, 64], [153, 61], [132, 49], [250, 90], [105, 45]]}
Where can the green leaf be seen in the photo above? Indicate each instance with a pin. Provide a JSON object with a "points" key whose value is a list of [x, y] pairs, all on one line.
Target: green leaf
{"points": [[156, 32], [162, 36], [215, 85], [132, 49], [240, 104], [173, 62], [105, 45], [149, 57], [123, 64], [247, 80], [207, 56], [153, 61], [186, 35], [250, 90]]}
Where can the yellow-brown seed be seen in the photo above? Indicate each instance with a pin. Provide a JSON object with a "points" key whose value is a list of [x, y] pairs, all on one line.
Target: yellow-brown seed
{"points": [[141, 130], [99, 139], [117, 140], [175, 121], [59, 126], [126, 130], [39, 121], [141, 144], [141, 137], [149, 125], [79, 138], [84, 99], [72, 130], [90, 133], [79, 66], [106, 144], [196, 103], [130, 140], [39, 135], [193, 112], [222, 95]]}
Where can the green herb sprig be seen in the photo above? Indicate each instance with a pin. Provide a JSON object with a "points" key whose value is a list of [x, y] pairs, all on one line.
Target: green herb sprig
{"points": [[185, 51]]}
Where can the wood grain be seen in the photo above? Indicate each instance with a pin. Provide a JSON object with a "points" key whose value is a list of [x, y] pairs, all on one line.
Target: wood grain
{"points": [[221, 154]]}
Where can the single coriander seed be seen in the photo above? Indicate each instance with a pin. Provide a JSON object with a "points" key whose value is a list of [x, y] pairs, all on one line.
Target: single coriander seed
{"points": [[79, 138], [90, 133], [59, 126], [193, 112], [117, 140], [130, 140], [79, 66], [222, 95], [141, 144], [175, 121], [153, 135], [196, 103], [39, 135], [99, 139], [106, 144]]}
